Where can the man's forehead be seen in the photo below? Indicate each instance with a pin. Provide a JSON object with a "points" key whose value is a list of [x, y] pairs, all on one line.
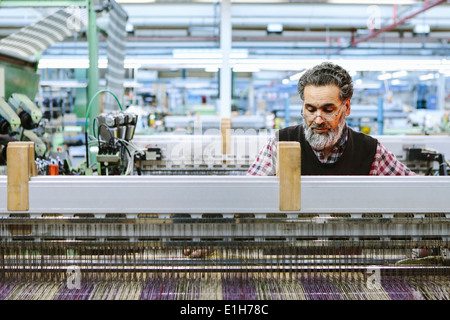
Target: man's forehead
{"points": [[330, 88], [322, 94]]}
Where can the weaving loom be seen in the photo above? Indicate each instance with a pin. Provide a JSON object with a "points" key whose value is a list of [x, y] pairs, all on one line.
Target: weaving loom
{"points": [[125, 237], [201, 154]]}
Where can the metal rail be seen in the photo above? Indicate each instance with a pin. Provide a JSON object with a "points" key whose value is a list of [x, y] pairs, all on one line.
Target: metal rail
{"points": [[133, 195]]}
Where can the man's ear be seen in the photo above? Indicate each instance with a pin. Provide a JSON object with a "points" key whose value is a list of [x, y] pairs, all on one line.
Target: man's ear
{"points": [[347, 108]]}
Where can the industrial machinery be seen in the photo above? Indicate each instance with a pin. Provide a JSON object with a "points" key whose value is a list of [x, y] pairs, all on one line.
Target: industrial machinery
{"points": [[9, 120], [213, 121], [202, 153], [19, 120], [225, 237], [30, 115], [116, 153], [425, 155], [198, 154], [18, 114]]}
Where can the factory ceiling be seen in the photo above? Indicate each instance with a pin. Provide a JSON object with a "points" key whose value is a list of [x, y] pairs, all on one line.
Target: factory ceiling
{"points": [[348, 31], [308, 28]]}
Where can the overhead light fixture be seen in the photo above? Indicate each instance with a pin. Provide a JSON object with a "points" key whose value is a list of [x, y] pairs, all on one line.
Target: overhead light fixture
{"points": [[274, 28], [246, 68], [428, 76], [256, 64], [385, 76], [208, 54], [399, 74], [131, 64], [196, 54], [129, 28], [69, 63], [63, 83], [421, 29], [296, 76], [366, 84], [211, 69]]}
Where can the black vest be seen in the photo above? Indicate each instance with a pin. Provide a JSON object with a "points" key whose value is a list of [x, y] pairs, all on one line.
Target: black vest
{"points": [[356, 160]]}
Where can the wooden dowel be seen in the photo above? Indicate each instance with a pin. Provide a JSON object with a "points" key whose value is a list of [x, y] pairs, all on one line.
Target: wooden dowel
{"points": [[289, 174], [18, 173], [225, 127]]}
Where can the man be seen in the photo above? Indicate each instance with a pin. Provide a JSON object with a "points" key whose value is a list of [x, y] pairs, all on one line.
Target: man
{"points": [[328, 145]]}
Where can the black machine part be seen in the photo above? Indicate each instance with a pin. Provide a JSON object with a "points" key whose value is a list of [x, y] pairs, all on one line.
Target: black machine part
{"points": [[4, 140], [420, 154], [27, 121], [4, 126]]}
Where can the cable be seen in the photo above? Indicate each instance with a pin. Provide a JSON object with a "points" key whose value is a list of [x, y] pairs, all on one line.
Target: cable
{"points": [[87, 116], [135, 150], [111, 135]]}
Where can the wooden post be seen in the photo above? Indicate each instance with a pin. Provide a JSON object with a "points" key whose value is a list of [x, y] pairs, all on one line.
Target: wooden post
{"points": [[225, 127], [20, 167], [289, 173], [31, 160]]}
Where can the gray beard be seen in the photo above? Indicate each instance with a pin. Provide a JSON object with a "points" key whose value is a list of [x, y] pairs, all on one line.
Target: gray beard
{"points": [[325, 140]]}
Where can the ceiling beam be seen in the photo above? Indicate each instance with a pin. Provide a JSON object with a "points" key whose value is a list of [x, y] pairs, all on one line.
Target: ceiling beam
{"points": [[355, 42]]}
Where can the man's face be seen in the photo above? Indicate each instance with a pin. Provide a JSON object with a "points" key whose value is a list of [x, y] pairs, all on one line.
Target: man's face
{"points": [[324, 132]]}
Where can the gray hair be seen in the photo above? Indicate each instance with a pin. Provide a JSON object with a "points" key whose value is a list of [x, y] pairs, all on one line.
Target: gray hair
{"points": [[325, 74]]}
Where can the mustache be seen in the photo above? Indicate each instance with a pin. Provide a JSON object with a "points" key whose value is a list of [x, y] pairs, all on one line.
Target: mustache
{"points": [[319, 126]]}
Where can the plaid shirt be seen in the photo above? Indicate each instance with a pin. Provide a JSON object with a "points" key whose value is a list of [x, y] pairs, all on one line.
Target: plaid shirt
{"points": [[384, 163]]}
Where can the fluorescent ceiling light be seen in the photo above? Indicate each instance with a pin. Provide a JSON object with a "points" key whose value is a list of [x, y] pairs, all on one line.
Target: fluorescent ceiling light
{"points": [[211, 69], [296, 76], [428, 76], [273, 64], [207, 54], [275, 28], [129, 27], [367, 85], [399, 74], [285, 81], [63, 63], [246, 68], [421, 29], [132, 65], [385, 76], [63, 83], [132, 84], [69, 63]]}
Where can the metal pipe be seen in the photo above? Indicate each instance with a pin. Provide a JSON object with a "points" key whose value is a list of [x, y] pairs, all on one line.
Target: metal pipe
{"points": [[380, 118], [93, 66]]}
